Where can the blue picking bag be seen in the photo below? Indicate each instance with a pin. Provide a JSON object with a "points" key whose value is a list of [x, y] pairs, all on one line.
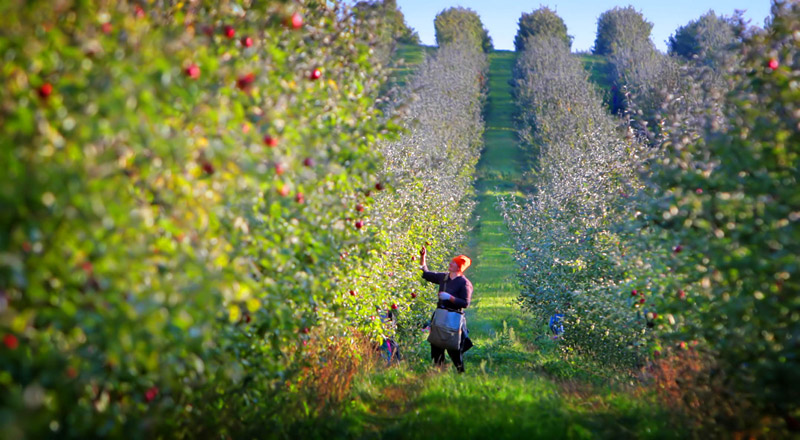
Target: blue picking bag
{"points": [[446, 329], [556, 325]]}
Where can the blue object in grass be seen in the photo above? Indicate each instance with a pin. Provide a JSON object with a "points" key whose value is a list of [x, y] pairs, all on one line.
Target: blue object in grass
{"points": [[556, 325]]}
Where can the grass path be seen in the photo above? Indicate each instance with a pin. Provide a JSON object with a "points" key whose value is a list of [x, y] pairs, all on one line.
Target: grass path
{"points": [[517, 384]]}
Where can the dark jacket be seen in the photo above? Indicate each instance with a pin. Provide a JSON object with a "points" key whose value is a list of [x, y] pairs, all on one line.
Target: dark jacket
{"points": [[460, 287]]}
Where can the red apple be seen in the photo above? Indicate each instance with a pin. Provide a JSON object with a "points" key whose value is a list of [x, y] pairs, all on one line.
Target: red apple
{"points": [[208, 168], [283, 190], [296, 21], [279, 169], [193, 71], [682, 345], [634, 292], [299, 198], [359, 224], [229, 31], [681, 294], [246, 41], [699, 191], [271, 141], [352, 293], [394, 306], [315, 74], [11, 342], [773, 63], [138, 12], [245, 81], [106, 28], [379, 186], [305, 330], [677, 249], [413, 294], [45, 90], [656, 354], [641, 301], [309, 162], [360, 207], [151, 394]]}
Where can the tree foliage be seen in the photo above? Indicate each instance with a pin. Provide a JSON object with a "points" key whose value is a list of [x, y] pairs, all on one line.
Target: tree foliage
{"points": [[565, 231], [458, 23], [542, 21], [706, 34], [620, 26], [691, 255], [728, 199], [190, 194], [389, 18]]}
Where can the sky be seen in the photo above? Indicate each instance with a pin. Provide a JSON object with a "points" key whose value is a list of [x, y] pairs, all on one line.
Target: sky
{"points": [[500, 17]]}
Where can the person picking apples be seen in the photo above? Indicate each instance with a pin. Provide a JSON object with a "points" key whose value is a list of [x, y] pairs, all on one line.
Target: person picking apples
{"points": [[455, 294]]}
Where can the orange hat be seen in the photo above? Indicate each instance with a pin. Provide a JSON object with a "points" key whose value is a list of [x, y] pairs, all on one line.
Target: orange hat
{"points": [[463, 262]]}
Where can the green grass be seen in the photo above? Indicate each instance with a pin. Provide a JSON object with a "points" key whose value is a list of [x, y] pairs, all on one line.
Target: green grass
{"points": [[599, 73], [518, 383], [406, 58], [599, 69]]}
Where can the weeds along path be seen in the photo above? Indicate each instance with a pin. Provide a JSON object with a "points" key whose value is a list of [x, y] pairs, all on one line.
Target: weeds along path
{"points": [[516, 385]]}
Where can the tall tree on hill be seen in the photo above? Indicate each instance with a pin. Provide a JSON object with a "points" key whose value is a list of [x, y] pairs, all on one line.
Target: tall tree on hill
{"points": [[391, 17], [620, 26], [542, 21], [456, 23], [707, 38]]}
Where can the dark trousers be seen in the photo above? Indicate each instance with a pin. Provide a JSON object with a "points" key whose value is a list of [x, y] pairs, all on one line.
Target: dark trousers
{"points": [[437, 354]]}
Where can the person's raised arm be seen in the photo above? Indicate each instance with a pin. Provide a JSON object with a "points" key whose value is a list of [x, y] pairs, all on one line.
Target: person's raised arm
{"points": [[433, 277]]}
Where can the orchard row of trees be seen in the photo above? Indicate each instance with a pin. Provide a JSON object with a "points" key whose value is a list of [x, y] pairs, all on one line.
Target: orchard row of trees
{"points": [[670, 233], [203, 202]]}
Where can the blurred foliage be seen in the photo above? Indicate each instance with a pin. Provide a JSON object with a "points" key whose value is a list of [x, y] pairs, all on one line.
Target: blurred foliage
{"points": [[725, 212], [388, 20], [186, 198], [542, 21], [460, 23], [201, 204]]}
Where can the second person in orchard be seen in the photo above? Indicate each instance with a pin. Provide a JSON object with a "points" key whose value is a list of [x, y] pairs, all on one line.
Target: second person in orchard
{"points": [[455, 295]]}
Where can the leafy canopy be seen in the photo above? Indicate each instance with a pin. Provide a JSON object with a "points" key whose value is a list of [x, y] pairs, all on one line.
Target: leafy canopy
{"points": [[456, 23], [620, 26], [542, 21]]}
